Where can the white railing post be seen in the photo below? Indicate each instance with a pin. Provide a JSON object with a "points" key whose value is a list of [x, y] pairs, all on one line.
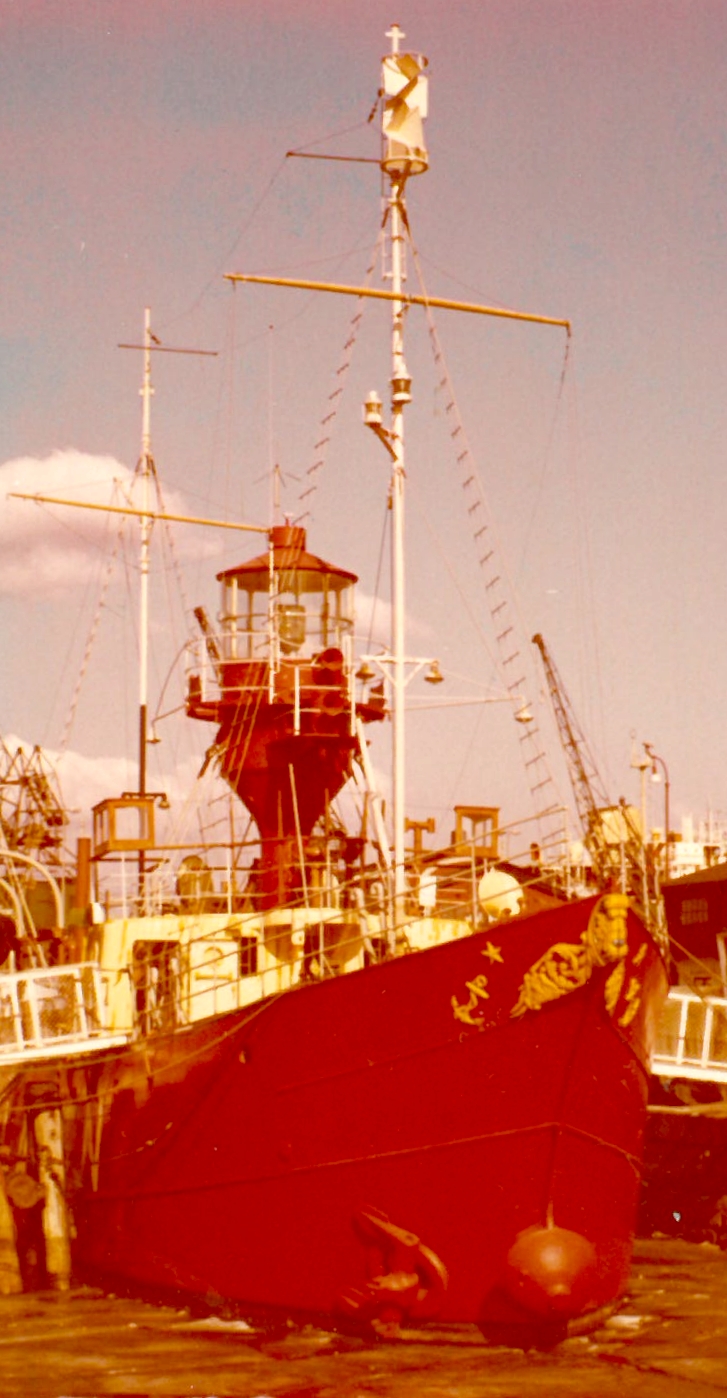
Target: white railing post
{"points": [[684, 1013], [80, 1002], [707, 1036], [33, 1007]]}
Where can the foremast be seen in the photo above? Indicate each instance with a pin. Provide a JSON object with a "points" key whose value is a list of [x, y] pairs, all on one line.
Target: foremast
{"points": [[404, 88], [146, 523]]}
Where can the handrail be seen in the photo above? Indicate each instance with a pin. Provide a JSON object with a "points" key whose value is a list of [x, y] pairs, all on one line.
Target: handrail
{"points": [[45, 1010], [692, 1037]]}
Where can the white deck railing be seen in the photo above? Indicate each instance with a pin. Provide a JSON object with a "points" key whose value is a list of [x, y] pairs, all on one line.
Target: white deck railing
{"points": [[50, 1011], [692, 1037]]}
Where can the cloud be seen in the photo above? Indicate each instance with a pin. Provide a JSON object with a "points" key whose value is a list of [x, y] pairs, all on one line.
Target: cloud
{"points": [[373, 617], [55, 546]]}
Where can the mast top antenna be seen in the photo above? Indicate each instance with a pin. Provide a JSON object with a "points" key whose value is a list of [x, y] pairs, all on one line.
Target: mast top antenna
{"points": [[404, 90]]}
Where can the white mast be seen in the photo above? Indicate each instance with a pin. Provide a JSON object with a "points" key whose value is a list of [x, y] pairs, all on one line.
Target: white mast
{"points": [[146, 468], [146, 524], [405, 103]]}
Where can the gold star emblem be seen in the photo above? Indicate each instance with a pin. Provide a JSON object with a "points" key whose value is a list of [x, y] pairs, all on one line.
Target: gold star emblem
{"points": [[493, 953]]}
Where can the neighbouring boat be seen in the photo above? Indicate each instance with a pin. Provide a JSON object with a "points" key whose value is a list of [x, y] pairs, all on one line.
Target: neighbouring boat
{"points": [[348, 1086], [685, 1161]]}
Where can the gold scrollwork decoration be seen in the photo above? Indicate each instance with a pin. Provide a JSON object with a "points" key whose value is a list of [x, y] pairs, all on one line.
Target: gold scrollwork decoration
{"points": [[566, 966], [633, 1000], [614, 986]]}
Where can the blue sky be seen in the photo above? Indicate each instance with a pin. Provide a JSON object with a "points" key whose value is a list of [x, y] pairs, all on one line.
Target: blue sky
{"points": [[578, 155]]}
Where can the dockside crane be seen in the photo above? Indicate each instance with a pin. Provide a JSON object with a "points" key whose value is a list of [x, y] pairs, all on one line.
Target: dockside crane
{"points": [[610, 833]]}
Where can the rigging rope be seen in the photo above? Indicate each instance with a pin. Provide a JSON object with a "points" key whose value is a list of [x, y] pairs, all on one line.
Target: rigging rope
{"points": [[498, 593], [75, 698], [334, 397]]}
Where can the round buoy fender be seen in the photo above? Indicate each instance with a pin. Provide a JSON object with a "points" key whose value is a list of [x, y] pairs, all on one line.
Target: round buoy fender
{"points": [[551, 1271]]}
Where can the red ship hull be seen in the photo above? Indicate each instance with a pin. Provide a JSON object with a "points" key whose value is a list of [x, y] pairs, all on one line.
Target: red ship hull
{"points": [[236, 1156]]}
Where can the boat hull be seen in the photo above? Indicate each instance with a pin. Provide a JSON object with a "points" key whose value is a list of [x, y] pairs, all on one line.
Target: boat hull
{"points": [[376, 1144]]}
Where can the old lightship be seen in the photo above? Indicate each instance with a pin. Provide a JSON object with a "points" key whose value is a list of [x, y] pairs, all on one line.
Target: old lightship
{"points": [[333, 1098]]}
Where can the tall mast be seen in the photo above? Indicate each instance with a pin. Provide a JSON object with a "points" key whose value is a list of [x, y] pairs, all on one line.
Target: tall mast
{"points": [[405, 102], [146, 467]]}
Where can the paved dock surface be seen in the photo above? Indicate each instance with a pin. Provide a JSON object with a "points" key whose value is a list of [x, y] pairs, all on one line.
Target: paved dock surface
{"points": [[668, 1339]]}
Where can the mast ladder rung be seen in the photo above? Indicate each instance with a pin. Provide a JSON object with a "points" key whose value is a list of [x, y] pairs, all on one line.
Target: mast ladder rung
{"points": [[538, 762], [493, 581], [509, 658]]}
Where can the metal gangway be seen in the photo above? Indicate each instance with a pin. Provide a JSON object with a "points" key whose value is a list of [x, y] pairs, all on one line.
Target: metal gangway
{"points": [[692, 1037]]}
